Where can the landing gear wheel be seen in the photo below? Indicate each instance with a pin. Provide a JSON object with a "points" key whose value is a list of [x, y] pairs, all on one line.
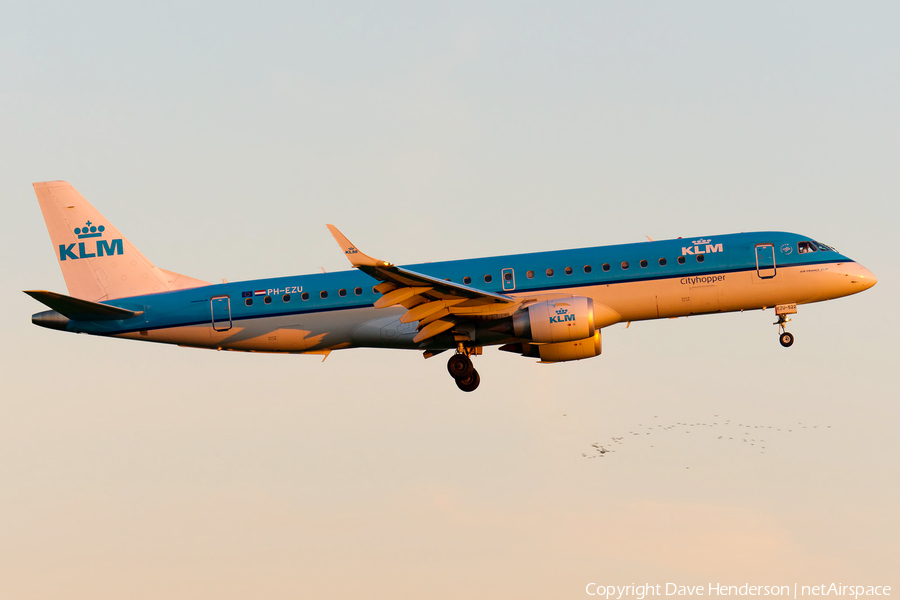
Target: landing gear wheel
{"points": [[786, 339], [468, 384], [460, 367]]}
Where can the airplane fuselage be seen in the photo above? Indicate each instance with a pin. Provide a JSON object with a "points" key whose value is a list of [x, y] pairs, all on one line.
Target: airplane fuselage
{"points": [[319, 313]]}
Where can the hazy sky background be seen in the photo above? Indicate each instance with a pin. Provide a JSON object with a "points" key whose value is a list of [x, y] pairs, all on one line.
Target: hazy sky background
{"points": [[221, 137]]}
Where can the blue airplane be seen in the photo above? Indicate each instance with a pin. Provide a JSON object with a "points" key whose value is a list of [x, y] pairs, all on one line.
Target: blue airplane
{"points": [[546, 305]]}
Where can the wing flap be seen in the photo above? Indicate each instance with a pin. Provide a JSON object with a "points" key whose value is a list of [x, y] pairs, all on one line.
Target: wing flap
{"points": [[432, 329], [399, 295], [426, 309]]}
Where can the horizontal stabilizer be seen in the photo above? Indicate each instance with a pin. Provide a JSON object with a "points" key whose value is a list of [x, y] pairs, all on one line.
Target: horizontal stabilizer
{"points": [[82, 310]]}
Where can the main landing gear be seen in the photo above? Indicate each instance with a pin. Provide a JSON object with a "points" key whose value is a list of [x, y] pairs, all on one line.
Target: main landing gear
{"points": [[463, 371]]}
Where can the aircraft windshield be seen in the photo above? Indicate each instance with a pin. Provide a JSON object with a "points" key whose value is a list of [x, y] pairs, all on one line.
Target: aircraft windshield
{"points": [[804, 247], [824, 248]]}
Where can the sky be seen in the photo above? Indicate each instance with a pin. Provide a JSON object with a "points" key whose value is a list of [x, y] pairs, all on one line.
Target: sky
{"points": [[220, 138]]}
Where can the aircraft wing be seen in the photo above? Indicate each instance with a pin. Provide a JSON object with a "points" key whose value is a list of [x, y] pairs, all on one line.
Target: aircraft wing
{"points": [[437, 304]]}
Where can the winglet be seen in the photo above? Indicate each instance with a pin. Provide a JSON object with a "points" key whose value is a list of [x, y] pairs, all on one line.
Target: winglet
{"points": [[356, 258]]}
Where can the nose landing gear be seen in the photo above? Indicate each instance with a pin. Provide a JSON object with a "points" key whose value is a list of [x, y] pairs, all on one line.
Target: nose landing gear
{"points": [[463, 372], [782, 310]]}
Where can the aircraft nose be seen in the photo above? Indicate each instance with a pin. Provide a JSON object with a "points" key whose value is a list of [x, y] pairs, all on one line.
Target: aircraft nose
{"points": [[869, 278], [862, 277]]}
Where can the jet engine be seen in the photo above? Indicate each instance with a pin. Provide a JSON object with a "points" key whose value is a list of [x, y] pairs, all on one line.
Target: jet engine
{"points": [[558, 330], [555, 321]]}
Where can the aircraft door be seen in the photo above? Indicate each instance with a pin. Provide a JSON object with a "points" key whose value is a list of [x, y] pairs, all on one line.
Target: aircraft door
{"points": [[509, 279], [221, 313], [765, 261]]}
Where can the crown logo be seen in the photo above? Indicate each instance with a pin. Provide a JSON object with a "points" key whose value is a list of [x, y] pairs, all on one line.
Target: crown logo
{"points": [[89, 231], [700, 241], [562, 311]]}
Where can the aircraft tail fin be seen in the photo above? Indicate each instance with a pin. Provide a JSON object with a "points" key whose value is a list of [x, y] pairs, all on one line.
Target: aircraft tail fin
{"points": [[97, 262]]}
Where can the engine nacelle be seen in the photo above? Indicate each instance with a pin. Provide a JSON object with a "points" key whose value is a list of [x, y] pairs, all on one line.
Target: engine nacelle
{"points": [[555, 321], [576, 350], [561, 351]]}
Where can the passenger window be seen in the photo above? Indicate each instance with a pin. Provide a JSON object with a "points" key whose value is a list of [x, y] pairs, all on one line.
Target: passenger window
{"points": [[587, 268], [249, 301], [700, 258], [680, 260], [268, 299], [358, 291], [286, 298], [549, 272], [467, 280], [530, 274], [625, 265], [488, 279], [662, 262], [568, 270], [304, 296], [804, 247], [507, 276], [342, 293], [606, 266], [644, 264], [323, 294]]}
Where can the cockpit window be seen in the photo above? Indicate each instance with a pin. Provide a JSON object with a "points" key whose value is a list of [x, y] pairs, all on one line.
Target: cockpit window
{"points": [[824, 248], [804, 247]]}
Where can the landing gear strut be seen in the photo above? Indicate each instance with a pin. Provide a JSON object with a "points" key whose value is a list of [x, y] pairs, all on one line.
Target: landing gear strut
{"points": [[463, 372]]}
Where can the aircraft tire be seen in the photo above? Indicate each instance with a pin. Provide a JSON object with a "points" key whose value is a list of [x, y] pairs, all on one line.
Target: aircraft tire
{"points": [[786, 339], [460, 366], [469, 384]]}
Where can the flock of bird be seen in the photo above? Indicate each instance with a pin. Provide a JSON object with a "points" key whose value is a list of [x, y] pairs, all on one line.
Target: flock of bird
{"points": [[741, 432]]}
